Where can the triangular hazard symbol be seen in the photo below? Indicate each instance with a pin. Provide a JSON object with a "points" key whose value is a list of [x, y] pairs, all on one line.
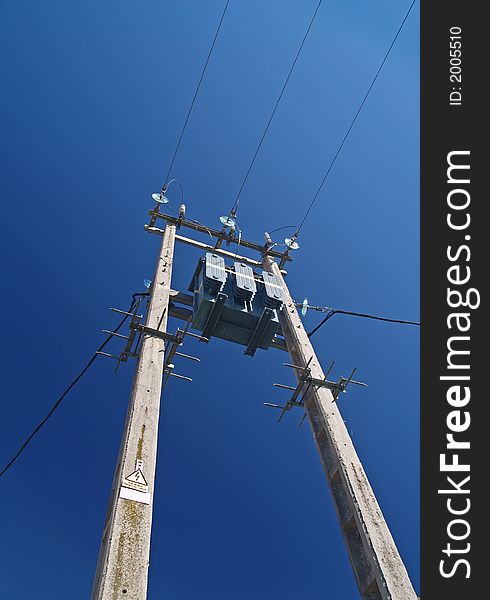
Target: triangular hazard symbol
{"points": [[137, 477]]}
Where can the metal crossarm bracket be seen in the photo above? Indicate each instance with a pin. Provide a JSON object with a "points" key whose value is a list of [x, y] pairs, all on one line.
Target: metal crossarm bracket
{"points": [[99, 353], [305, 382], [133, 325], [163, 335], [258, 332], [172, 351], [137, 330], [284, 258], [214, 316], [303, 374]]}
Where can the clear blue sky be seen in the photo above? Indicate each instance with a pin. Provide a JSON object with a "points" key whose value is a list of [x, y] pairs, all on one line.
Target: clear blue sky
{"points": [[93, 98]]}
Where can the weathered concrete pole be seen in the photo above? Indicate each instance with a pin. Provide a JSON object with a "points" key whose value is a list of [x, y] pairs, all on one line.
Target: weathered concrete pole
{"points": [[378, 567], [122, 568]]}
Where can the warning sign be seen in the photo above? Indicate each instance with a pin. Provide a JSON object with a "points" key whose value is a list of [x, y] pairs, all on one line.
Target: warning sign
{"points": [[136, 481]]}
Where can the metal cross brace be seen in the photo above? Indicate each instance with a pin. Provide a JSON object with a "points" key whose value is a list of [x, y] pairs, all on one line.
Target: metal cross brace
{"points": [[133, 330], [176, 342], [305, 382], [137, 329]]}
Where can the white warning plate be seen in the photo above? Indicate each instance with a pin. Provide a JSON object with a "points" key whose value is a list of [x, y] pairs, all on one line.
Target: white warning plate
{"points": [[135, 495]]}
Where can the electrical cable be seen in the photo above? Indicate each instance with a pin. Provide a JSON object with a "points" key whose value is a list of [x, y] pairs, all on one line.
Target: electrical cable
{"points": [[180, 186], [176, 212], [339, 149], [275, 107], [207, 228], [285, 227], [333, 311], [196, 93], [71, 386]]}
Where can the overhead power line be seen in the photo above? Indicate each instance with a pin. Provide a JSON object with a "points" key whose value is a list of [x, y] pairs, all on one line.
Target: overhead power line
{"points": [[70, 387], [196, 92], [333, 311], [341, 145], [259, 145]]}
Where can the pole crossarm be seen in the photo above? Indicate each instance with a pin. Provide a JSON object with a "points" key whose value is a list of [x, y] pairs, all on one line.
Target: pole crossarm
{"points": [[221, 235], [208, 248], [378, 568]]}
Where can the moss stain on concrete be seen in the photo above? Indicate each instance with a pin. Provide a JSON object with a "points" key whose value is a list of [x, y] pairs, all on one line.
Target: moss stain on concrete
{"points": [[139, 451]]}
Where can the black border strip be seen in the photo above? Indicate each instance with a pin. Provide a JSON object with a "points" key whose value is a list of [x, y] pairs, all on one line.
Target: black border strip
{"points": [[447, 128]]}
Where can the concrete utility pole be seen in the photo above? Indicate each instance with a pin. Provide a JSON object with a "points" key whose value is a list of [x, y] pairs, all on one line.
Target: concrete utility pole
{"points": [[378, 567], [122, 568]]}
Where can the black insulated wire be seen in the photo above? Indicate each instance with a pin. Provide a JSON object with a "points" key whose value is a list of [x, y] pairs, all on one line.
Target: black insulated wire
{"points": [[334, 311], [70, 387], [349, 129], [196, 93], [259, 145]]}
